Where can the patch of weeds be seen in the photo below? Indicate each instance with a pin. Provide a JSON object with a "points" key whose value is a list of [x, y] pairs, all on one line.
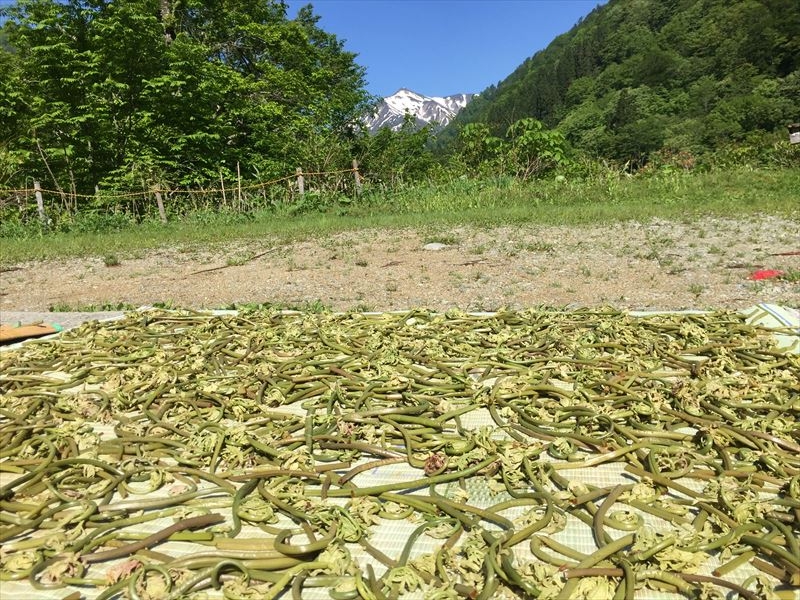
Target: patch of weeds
{"points": [[652, 255], [361, 262], [361, 307], [391, 286], [663, 241], [666, 261], [315, 306], [697, 289], [103, 307], [537, 246], [448, 239], [236, 261], [479, 249], [455, 276], [312, 306], [244, 306], [792, 275], [714, 250], [293, 265], [111, 260], [61, 307], [585, 271], [166, 305]]}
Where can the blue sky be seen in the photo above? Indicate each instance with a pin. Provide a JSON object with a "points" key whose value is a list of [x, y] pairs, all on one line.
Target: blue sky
{"points": [[442, 47]]}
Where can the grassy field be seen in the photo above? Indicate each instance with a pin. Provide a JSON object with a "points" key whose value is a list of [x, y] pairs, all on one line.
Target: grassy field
{"points": [[682, 196]]}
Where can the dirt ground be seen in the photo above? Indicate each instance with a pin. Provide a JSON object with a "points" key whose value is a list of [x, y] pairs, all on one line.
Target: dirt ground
{"points": [[658, 265]]}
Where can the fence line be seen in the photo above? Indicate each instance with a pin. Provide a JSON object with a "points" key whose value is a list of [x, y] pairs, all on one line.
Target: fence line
{"points": [[117, 196]]}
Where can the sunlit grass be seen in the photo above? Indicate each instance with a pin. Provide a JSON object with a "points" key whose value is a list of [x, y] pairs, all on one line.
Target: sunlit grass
{"points": [[734, 194]]}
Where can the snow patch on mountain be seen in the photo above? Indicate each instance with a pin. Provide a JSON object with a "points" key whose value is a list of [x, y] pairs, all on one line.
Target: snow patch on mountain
{"points": [[392, 110]]}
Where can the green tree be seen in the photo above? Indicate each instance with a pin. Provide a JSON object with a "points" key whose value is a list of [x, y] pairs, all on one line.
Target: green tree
{"points": [[585, 127], [478, 152], [143, 91], [394, 158], [637, 125], [13, 112], [533, 150]]}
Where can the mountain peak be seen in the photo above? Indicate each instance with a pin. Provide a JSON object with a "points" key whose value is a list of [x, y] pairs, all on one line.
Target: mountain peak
{"points": [[392, 110]]}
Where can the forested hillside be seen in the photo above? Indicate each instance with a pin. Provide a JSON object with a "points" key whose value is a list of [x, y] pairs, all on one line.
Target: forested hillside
{"points": [[636, 76], [183, 92]]}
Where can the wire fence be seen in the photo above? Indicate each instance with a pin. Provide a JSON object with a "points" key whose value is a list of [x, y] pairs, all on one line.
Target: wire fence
{"points": [[299, 176], [238, 195]]}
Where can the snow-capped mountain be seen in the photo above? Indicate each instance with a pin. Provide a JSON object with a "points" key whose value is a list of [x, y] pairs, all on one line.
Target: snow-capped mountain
{"points": [[392, 110]]}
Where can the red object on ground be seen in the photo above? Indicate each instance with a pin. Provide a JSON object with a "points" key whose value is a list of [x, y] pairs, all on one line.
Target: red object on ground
{"points": [[766, 274]]}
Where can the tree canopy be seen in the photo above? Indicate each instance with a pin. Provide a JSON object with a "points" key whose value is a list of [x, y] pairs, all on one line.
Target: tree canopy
{"points": [[101, 92]]}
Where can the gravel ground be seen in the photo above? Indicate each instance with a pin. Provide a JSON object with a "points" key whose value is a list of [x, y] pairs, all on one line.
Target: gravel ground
{"points": [[660, 265]]}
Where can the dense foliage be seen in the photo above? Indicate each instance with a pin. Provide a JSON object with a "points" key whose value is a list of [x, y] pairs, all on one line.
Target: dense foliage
{"points": [[526, 151], [640, 76], [95, 92]]}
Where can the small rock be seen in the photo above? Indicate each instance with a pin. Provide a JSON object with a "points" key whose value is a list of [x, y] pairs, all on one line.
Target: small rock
{"points": [[435, 246]]}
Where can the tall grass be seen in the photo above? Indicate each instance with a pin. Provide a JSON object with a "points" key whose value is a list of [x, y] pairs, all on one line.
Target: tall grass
{"points": [[484, 203], [606, 199]]}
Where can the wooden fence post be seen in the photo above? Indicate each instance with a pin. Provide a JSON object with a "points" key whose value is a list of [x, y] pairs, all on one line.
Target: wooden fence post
{"points": [[40, 202], [222, 184], [160, 201], [357, 177], [301, 183], [239, 184]]}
